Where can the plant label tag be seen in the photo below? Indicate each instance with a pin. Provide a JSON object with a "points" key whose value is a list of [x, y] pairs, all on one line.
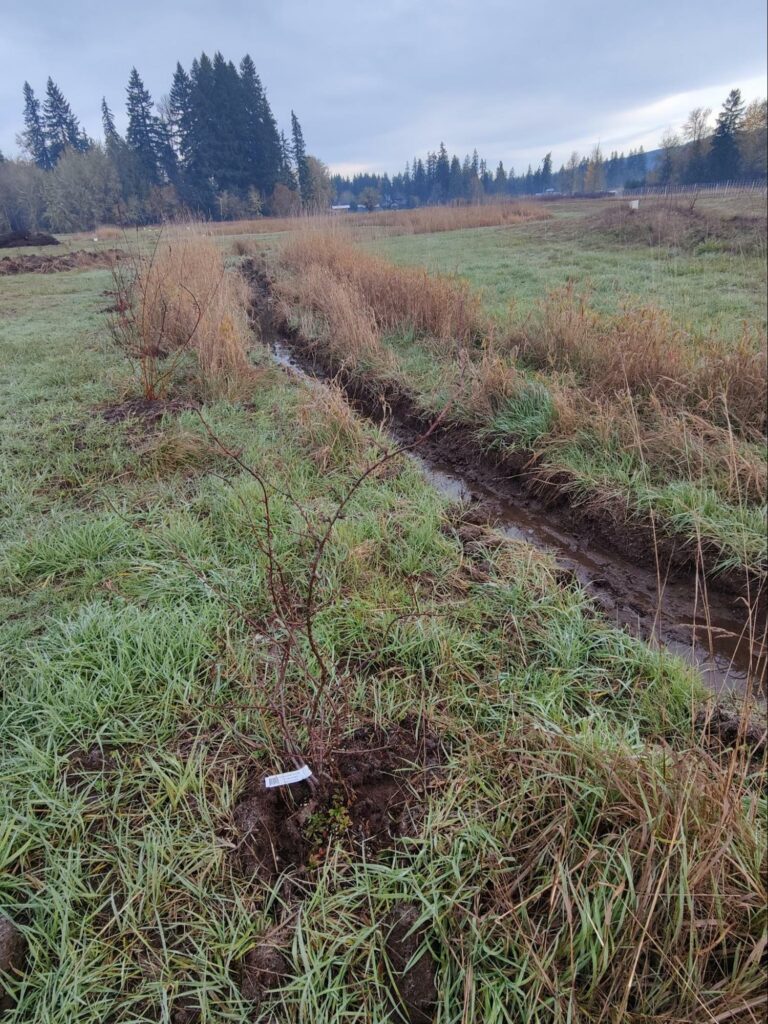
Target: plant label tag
{"points": [[288, 778]]}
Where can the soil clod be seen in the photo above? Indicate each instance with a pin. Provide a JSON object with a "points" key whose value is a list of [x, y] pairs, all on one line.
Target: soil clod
{"points": [[263, 968], [13, 949], [414, 984]]}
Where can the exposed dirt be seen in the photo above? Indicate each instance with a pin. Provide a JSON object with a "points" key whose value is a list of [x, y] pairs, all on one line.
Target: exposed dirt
{"points": [[84, 765], [619, 556], [414, 985], [148, 410], [372, 794], [18, 239], [13, 950], [726, 729], [263, 968], [34, 263]]}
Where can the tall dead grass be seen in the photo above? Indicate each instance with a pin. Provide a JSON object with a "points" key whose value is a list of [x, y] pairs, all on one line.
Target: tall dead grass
{"points": [[422, 220], [642, 351], [179, 299], [394, 297], [681, 225]]}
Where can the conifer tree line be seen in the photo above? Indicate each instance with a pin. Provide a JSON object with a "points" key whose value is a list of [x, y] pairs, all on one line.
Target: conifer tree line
{"points": [[211, 146], [734, 148]]}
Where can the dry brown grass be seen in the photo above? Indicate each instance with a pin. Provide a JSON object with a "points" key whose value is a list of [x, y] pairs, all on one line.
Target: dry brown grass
{"points": [[640, 350], [682, 225], [394, 297], [180, 299], [336, 310], [423, 220]]}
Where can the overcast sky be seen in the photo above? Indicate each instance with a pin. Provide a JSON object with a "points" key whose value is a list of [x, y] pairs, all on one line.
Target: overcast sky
{"points": [[373, 83]]}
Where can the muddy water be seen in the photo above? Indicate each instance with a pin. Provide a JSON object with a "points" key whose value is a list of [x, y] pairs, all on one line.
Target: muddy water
{"points": [[709, 630]]}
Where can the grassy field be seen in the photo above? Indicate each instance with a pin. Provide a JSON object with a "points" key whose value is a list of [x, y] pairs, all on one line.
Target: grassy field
{"points": [[636, 369], [517, 816], [705, 290]]}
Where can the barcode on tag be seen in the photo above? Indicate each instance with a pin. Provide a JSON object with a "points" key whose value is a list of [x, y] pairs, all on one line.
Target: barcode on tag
{"points": [[288, 778]]}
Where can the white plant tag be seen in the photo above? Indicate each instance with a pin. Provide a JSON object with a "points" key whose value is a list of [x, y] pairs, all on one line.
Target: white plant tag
{"points": [[288, 778]]}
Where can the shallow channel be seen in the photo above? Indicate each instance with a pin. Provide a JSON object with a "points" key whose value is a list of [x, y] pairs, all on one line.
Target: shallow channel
{"points": [[707, 629]]}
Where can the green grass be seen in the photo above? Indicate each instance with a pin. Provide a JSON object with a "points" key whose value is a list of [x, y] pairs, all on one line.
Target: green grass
{"points": [[128, 570], [713, 292]]}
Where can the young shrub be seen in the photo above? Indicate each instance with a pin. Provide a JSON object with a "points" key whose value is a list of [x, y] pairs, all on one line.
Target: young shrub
{"points": [[180, 301]]}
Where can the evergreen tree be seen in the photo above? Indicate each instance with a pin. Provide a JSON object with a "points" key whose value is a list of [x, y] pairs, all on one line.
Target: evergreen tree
{"points": [[229, 128], [112, 138], [33, 135], [62, 129], [500, 181], [546, 172], [724, 160], [180, 112], [147, 137], [420, 181], [286, 176], [300, 160], [263, 150], [442, 174]]}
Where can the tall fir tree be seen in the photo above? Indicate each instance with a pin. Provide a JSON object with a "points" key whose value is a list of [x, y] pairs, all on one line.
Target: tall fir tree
{"points": [[264, 156], [201, 137], [229, 128], [147, 137], [33, 135], [286, 176], [111, 135], [724, 157], [300, 160], [62, 129], [442, 174], [180, 112]]}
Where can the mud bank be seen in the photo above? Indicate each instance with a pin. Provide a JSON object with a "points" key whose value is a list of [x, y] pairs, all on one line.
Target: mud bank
{"points": [[652, 583]]}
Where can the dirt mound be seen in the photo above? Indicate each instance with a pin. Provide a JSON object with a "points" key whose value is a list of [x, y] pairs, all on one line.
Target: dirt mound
{"points": [[370, 796], [35, 263], [681, 226], [145, 409], [17, 239]]}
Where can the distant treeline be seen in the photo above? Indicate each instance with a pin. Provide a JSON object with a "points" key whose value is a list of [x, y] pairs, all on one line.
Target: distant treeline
{"points": [[211, 146], [698, 154]]}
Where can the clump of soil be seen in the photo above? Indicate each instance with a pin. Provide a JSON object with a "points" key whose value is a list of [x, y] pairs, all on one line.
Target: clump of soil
{"points": [[13, 950], [35, 263], [263, 968], [414, 988], [83, 765], [727, 729], [372, 795], [145, 409], [17, 239]]}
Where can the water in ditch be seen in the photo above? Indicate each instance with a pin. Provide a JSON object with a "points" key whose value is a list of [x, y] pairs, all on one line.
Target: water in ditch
{"points": [[709, 630]]}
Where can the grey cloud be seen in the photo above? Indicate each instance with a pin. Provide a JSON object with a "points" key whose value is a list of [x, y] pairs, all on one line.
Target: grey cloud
{"points": [[375, 83]]}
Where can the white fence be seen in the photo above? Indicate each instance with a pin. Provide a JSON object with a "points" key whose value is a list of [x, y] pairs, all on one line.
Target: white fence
{"points": [[721, 188]]}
